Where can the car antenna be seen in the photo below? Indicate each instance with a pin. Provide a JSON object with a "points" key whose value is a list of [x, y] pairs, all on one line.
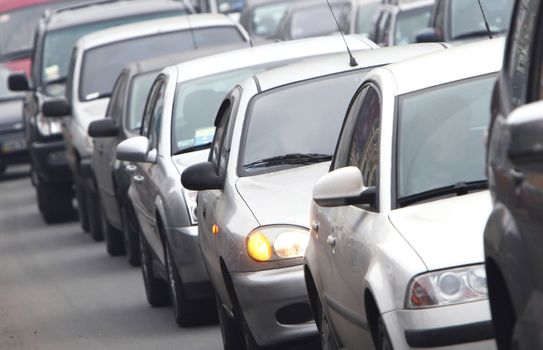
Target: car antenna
{"points": [[484, 18], [352, 61]]}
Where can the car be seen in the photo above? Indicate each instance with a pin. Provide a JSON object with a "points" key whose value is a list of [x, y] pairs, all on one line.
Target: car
{"points": [[261, 18], [165, 210], [458, 20], [13, 148], [395, 258], [56, 33], [311, 18], [232, 8], [398, 23], [123, 120], [97, 60], [363, 16], [512, 237], [275, 135]]}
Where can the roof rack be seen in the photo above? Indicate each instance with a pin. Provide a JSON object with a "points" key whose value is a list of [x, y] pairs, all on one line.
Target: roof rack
{"points": [[49, 12]]}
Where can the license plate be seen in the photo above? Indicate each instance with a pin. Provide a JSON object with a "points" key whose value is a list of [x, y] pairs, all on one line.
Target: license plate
{"points": [[13, 146]]}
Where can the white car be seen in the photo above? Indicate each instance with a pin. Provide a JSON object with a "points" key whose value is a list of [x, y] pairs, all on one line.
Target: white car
{"points": [[395, 259], [97, 60]]}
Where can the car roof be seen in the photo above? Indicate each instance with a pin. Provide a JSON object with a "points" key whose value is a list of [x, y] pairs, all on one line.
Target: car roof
{"points": [[460, 62], [339, 62], [102, 11], [260, 55], [150, 27]]}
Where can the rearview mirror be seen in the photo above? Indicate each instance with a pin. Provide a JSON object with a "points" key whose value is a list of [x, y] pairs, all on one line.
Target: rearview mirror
{"points": [[427, 35], [201, 177], [525, 148], [342, 187], [136, 149], [56, 108], [103, 128], [18, 82]]}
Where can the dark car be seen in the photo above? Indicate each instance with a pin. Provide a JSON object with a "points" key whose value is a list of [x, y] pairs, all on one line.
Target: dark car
{"points": [[513, 237], [54, 38], [454, 20], [123, 120]]}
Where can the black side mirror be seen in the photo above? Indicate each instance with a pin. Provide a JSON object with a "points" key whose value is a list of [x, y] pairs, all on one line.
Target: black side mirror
{"points": [[201, 177], [525, 148], [427, 35], [103, 128], [18, 82], [56, 108]]}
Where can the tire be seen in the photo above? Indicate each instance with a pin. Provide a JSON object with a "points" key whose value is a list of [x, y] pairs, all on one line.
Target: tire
{"points": [[81, 205], [156, 289], [383, 340], [131, 236], [112, 236], [94, 213], [232, 334], [55, 203]]}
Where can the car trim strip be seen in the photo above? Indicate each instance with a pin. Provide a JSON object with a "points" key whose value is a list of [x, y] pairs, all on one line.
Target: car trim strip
{"points": [[346, 313], [446, 336]]}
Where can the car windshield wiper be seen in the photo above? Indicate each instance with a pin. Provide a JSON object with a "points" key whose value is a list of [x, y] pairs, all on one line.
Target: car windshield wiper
{"points": [[291, 158], [460, 189], [193, 148], [477, 33]]}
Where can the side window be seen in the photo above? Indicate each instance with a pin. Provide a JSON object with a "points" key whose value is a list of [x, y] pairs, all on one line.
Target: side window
{"points": [[156, 115], [70, 76], [115, 106], [220, 149], [148, 110]]}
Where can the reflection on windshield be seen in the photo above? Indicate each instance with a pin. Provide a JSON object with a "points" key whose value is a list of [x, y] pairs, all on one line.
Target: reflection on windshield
{"points": [[467, 17], [409, 23], [139, 90], [267, 17], [441, 135], [365, 14], [300, 119], [317, 20]]}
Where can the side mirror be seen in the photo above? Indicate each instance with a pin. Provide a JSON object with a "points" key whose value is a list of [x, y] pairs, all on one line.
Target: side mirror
{"points": [[18, 82], [525, 148], [136, 149], [201, 177], [342, 187], [103, 128], [427, 35], [56, 108]]}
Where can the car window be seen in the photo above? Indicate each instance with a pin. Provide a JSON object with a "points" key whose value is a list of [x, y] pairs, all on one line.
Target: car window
{"points": [[382, 28], [116, 103], [439, 20], [365, 14], [205, 37], [218, 154], [265, 18], [467, 19], [409, 23], [138, 91], [149, 106], [156, 116], [317, 20]]}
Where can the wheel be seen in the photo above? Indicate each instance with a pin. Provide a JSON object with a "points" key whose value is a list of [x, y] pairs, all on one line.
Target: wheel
{"points": [[81, 205], [383, 340], [94, 213], [112, 236], [328, 339], [156, 289], [131, 235], [232, 335], [55, 203]]}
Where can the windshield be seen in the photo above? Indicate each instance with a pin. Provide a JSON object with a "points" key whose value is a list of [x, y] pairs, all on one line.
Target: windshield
{"points": [[196, 106], [299, 121], [409, 23], [102, 65], [229, 6], [364, 17], [467, 19], [5, 93], [139, 89], [441, 135], [58, 44], [317, 20], [267, 17]]}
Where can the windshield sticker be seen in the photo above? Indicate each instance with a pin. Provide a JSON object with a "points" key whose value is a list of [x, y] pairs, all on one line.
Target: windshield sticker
{"points": [[204, 135], [52, 72]]}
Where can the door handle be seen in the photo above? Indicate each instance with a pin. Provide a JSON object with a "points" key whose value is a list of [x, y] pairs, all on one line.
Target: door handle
{"points": [[517, 176], [130, 168], [331, 240], [315, 226], [138, 179]]}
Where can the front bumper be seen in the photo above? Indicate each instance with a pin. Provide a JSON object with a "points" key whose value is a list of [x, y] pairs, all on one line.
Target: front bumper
{"points": [[49, 161], [190, 264], [455, 327], [13, 148], [275, 305]]}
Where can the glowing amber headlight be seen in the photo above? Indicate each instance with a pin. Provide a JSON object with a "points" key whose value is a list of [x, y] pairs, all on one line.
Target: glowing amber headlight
{"points": [[277, 243]]}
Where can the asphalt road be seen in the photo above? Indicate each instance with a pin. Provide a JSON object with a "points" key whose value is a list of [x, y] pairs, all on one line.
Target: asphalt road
{"points": [[60, 290]]}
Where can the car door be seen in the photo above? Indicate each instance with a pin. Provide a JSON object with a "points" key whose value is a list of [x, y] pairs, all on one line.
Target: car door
{"points": [[347, 245]]}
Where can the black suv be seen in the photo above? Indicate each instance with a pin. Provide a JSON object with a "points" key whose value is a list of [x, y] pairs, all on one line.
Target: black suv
{"points": [[513, 237], [56, 33]]}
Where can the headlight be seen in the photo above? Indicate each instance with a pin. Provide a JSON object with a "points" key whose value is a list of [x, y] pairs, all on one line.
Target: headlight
{"points": [[48, 126], [447, 287], [190, 201], [270, 243]]}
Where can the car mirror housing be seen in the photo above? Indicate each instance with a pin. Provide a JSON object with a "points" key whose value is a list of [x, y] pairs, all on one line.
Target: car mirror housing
{"points": [[103, 128], [525, 148], [18, 82], [202, 177], [56, 108], [427, 35], [136, 149], [344, 186]]}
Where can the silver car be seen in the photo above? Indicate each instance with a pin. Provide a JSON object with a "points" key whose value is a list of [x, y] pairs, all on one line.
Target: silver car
{"points": [[178, 128], [395, 258], [275, 135]]}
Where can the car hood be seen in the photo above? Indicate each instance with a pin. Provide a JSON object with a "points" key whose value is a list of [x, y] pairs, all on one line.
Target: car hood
{"points": [[184, 160], [11, 114], [91, 111], [446, 232], [282, 197]]}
